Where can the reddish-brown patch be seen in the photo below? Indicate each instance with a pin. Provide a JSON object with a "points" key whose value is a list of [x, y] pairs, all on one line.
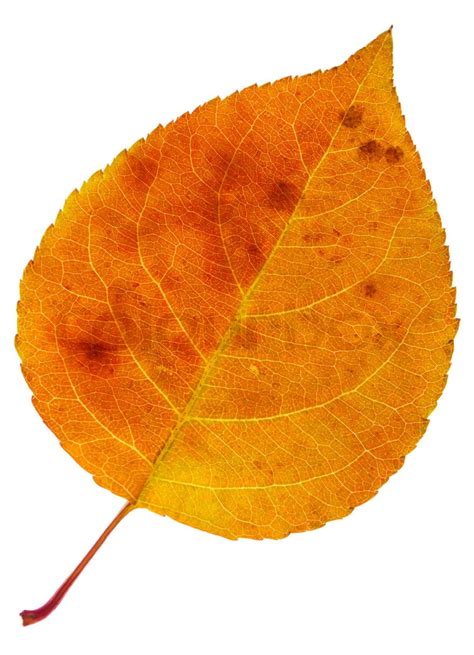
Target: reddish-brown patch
{"points": [[372, 150], [370, 290], [393, 154], [353, 116]]}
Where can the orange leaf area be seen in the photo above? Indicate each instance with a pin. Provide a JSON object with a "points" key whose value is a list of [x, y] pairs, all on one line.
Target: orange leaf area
{"points": [[244, 322]]}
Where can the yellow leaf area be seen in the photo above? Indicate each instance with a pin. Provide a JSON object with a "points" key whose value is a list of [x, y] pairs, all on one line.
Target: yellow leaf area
{"points": [[244, 322]]}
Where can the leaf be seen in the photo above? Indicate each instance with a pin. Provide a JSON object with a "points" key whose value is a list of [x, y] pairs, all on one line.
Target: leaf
{"points": [[244, 322]]}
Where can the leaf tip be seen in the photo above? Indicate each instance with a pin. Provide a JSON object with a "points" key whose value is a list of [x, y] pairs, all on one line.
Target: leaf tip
{"points": [[386, 37]]}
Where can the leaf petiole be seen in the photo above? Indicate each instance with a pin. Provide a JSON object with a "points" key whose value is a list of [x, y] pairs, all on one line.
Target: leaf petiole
{"points": [[33, 616]]}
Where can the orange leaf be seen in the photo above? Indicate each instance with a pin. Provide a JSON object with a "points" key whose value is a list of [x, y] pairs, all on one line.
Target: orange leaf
{"points": [[244, 322]]}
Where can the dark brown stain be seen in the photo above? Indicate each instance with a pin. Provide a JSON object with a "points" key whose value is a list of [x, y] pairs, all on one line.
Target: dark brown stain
{"points": [[372, 149], [283, 195], [393, 154], [370, 290], [353, 116]]}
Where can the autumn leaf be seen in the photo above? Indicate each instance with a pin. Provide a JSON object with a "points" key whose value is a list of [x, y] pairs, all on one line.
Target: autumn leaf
{"points": [[244, 322]]}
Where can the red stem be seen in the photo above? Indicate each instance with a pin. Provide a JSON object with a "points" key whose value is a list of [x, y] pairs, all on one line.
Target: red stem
{"points": [[33, 616]]}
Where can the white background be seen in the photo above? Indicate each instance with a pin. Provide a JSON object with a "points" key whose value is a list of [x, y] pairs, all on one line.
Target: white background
{"points": [[82, 80]]}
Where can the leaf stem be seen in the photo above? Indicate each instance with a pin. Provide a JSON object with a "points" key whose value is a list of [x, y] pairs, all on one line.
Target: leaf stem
{"points": [[33, 616]]}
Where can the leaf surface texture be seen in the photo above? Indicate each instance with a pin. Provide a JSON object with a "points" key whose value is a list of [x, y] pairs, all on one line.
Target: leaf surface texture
{"points": [[245, 320]]}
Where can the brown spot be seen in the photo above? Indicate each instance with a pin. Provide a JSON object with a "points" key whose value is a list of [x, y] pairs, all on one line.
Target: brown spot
{"points": [[393, 155], [370, 290], [283, 195], [353, 116], [372, 149]]}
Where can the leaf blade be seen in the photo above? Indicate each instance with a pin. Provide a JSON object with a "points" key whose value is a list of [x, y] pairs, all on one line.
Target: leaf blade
{"points": [[277, 214]]}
